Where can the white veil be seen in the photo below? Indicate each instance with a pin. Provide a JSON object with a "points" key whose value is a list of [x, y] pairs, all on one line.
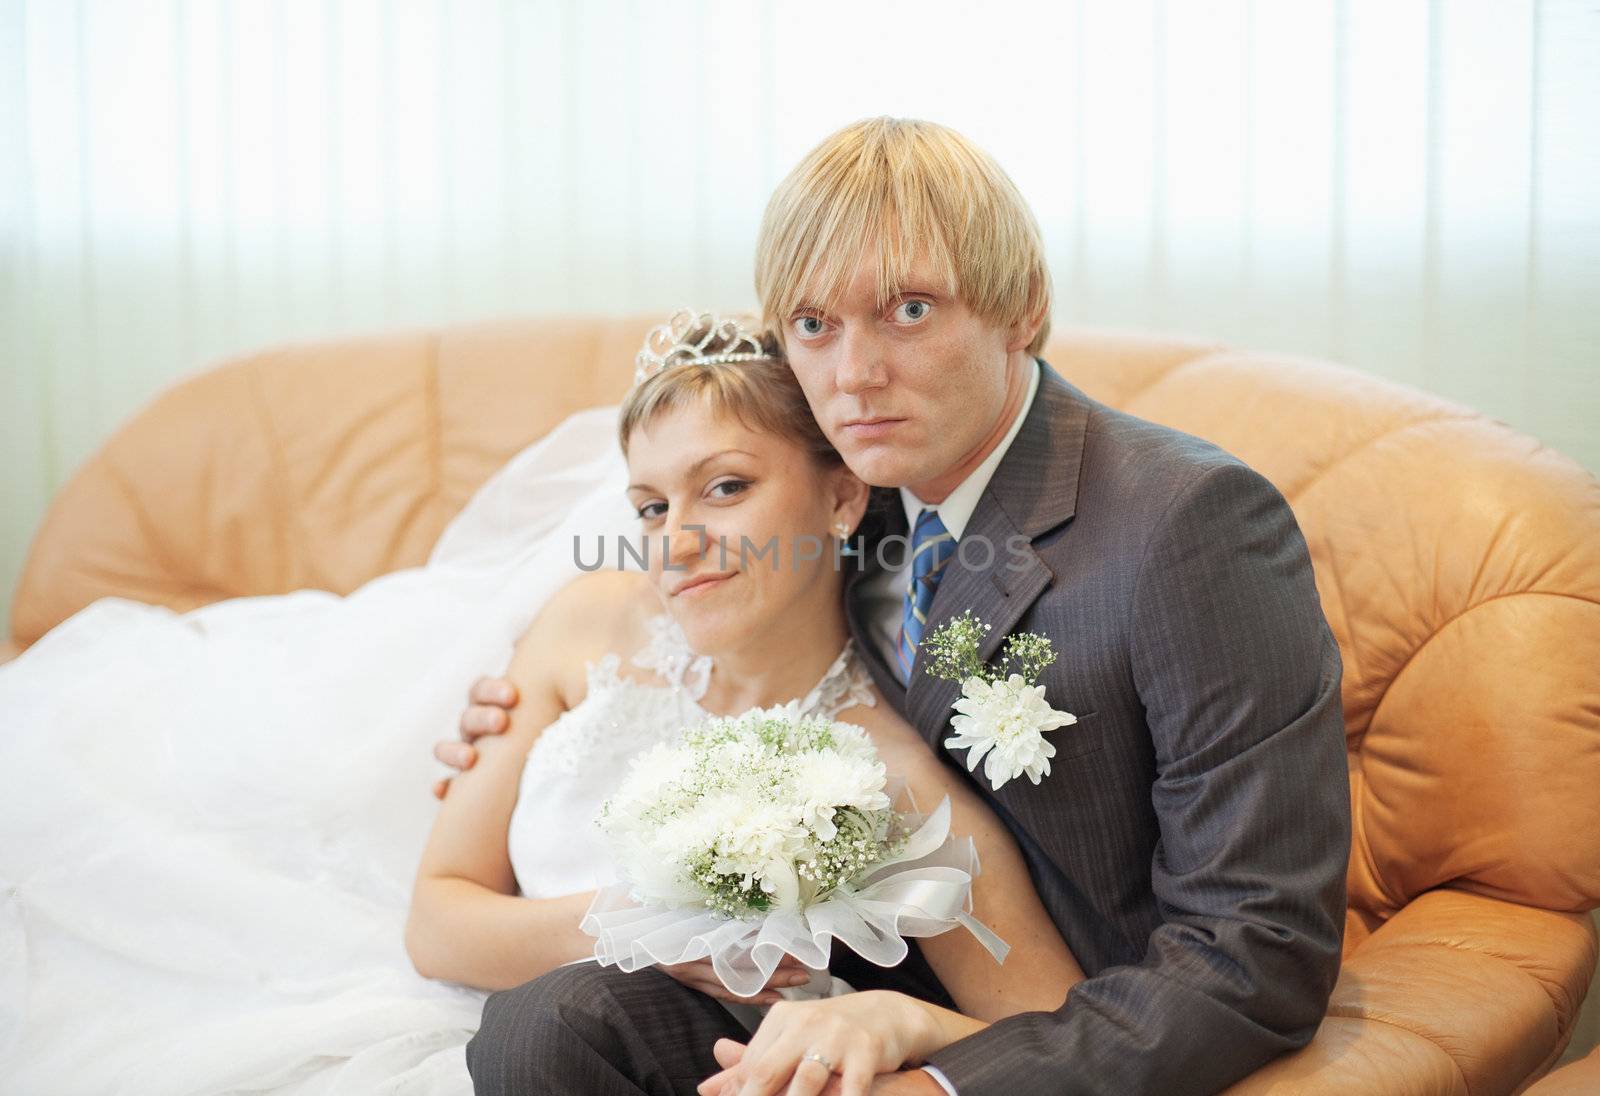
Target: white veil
{"points": [[210, 821]]}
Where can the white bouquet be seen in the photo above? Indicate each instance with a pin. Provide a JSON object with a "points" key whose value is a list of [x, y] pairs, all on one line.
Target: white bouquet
{"points": [[768, 833]]}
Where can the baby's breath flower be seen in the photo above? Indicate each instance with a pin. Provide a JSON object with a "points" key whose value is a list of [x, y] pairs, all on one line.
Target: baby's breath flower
{"points": [[951, 651], [1030, 653], [1002, 710]]}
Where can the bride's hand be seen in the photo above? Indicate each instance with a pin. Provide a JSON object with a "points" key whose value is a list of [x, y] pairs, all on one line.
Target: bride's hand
{"points": [[488, 701], [700, 975], [857, 1036]]}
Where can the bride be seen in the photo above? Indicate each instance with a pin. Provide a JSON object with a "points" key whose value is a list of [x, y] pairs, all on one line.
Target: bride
{"points": [[210, 825], [736, 493]]}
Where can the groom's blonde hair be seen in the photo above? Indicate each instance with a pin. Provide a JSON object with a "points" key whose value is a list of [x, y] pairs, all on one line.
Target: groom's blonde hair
{"points": [[900, 186]]}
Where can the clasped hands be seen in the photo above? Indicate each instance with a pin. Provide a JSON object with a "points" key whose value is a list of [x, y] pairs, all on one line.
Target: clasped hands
{"points": [[838, 1046]]}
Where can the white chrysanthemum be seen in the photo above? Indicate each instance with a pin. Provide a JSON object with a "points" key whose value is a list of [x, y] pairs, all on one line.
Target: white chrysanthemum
{"points": [[781, 881], [748, 835], [654, 877], [787, 713], [650, 776], [1003, 724], [738, 813], [740, 837], [853, 742], [825, 782]]}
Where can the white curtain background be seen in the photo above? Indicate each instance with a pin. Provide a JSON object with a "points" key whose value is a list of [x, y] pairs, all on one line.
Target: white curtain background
{"points": [[1409, 186]]}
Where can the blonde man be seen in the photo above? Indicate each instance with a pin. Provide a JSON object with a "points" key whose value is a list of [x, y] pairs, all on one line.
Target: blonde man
{"points": [[1191, 839]]}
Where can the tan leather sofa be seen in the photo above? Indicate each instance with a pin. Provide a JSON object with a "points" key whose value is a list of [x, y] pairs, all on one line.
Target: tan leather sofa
{"points": [[1580, 1078], [1458, 562]]}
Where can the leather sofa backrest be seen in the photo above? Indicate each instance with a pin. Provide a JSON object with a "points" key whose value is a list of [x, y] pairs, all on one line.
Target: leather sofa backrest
{"points": [[1458, 561]]}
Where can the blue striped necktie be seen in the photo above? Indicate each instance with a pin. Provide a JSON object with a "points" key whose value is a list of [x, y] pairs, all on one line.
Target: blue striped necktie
{"points": [[931, 548]]}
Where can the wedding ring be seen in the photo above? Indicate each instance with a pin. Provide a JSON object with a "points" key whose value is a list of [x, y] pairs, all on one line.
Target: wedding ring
{"points": [[817, 1057]]}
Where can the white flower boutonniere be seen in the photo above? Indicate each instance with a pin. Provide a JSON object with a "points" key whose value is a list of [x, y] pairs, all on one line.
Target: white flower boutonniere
{"points": [[1003, 712]]}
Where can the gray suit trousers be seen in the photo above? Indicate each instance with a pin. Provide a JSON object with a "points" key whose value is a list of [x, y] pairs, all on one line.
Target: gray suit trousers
{"points": [[594, 1030]]}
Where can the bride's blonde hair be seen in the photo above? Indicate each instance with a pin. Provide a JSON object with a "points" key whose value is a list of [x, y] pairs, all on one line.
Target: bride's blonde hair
{"points": [[760, 390]]}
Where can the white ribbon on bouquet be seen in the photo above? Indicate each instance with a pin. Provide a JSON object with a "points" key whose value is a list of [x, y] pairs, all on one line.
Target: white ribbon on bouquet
{"points": [[923, 891]]}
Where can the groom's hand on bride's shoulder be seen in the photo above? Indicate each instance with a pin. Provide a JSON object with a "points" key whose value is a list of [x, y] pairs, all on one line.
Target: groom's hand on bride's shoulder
{"points": [[488, 702]]}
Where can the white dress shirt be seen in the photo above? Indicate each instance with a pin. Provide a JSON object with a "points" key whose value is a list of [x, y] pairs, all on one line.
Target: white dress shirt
{"points": [[885, 592]]}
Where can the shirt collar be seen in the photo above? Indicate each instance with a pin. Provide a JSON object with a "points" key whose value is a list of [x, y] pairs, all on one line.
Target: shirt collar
{"points": [[956, 510]]}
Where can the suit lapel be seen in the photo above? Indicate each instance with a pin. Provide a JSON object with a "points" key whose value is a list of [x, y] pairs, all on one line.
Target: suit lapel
{"points": [[996, 595], [885, 517], [1034, 490]]}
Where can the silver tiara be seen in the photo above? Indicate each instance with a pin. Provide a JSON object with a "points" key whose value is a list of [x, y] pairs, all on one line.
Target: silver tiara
{"points": [[672, 343]]}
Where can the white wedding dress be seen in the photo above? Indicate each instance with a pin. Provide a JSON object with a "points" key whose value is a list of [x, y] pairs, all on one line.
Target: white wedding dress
{"points": [[210, 821], [578, 760]]}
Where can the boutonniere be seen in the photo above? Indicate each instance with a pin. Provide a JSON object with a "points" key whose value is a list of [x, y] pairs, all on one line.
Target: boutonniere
{"points": [[1003, 712]]}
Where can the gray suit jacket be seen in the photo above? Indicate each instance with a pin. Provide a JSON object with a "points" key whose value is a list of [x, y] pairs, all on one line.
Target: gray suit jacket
{"points": [[1192, 838]]}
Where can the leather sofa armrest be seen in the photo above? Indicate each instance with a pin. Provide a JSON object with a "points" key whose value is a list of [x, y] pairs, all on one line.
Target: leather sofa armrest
{"points": [[1455, 994], [1580, 1078]]}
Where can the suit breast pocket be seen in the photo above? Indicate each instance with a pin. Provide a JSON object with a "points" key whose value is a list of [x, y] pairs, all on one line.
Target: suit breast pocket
{"points": [[1079, 739], [1091, 767]]}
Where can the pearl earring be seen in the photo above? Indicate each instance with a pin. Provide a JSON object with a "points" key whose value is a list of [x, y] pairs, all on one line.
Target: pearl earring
{"points": [[841, 529]]}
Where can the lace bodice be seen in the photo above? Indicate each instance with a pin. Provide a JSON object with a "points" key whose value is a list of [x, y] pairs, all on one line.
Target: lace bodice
{"points": [[554, 846]]}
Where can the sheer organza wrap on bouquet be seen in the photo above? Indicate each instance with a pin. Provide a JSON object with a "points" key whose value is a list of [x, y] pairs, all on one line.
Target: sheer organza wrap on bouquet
{"points": [[922, 890]]}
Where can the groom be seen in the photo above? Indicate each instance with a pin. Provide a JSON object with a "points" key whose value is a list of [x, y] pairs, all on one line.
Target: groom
{"points": [[1191, 839]]}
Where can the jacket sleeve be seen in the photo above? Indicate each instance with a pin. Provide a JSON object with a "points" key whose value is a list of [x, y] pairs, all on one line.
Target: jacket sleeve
{"points": [[1239, 677]]}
